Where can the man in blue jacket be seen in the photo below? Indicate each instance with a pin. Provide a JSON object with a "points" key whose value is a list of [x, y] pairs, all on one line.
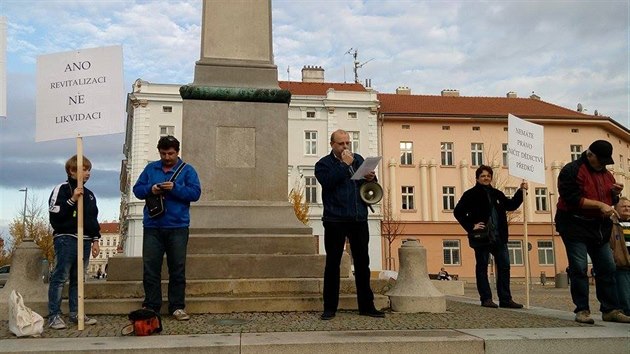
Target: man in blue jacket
{"points": [[345, 215], [168, 232]]}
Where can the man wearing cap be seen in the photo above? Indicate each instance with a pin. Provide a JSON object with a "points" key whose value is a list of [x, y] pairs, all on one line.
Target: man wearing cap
{"points": [[587, 191]]}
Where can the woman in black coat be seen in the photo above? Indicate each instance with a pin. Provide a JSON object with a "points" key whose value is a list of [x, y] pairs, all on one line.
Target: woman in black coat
{"points": [[478, 206]]}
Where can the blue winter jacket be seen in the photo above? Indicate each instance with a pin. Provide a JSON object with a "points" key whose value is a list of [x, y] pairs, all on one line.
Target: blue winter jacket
{"points": [[177, 201], [340, 194]]}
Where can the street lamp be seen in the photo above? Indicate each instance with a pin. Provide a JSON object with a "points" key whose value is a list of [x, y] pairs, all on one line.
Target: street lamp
{"points": [[25, 190]]}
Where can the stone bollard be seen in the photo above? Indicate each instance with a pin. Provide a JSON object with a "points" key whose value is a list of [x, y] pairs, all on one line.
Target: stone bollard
{"points": [[26, 278], [413, 291], [562, 280]]}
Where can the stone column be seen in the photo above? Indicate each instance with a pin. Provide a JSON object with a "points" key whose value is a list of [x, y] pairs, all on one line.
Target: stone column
{"points": [[236, 47], [424, 190], [392, 185], [234, 121], [434, 189], [463, 176]]}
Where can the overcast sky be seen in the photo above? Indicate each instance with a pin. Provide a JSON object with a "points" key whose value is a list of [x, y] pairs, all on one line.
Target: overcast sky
{"points": [[567, 52]]}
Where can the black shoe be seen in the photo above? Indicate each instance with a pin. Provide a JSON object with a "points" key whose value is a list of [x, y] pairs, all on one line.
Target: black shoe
{"points": [[327, 315], [373, 313], [510, 305], [489, 303]]}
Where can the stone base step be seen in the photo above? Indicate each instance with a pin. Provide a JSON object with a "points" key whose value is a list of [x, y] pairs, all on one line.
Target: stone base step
{"points": [[232, 266], [222, 243], [312, 302], [227, 287]]}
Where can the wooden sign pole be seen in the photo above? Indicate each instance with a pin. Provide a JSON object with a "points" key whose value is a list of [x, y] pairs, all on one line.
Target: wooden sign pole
{"points": [[81, 312], [527, 271]]}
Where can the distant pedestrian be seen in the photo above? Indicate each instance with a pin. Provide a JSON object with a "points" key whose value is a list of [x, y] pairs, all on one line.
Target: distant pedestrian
{"points": [[443, 275]]}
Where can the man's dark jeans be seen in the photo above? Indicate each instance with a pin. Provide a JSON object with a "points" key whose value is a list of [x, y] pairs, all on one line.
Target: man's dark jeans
{"points": [[604, 266], [335, 234], [502, 261], [155, 243]]}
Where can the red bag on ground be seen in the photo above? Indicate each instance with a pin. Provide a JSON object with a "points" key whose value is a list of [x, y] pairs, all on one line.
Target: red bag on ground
{"points": [[144, 322]]}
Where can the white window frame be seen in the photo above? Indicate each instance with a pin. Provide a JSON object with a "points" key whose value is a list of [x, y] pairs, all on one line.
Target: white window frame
{"points": [[406, 153], [353, 115], [310, 189], [476, 154], [355, 141], [576, 152], [166, 130], [310, 115], [545, 252], [407, 198], [542, 202], [167, 109], [451, 251], [515, 251], [310, 142], [510, 191], [504, 152], [448, 197], [446, 153]]}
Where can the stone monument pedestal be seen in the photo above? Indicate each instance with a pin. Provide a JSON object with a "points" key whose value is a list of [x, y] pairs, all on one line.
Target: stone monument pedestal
{"points": [[26, 278]]}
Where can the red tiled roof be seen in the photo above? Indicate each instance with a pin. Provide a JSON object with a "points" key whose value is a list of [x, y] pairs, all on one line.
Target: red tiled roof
{"points": [[475, 106], [109, 227], [318, 88]]}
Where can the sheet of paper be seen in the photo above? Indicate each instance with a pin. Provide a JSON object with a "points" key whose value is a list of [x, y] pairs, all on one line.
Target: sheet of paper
{"points": [[367, 166]]}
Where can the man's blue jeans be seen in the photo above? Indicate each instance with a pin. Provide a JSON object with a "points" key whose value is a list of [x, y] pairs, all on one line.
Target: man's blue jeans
{"points": [[622, 277], [502, 262], [66, 268], [604, 267], [155, 243]]}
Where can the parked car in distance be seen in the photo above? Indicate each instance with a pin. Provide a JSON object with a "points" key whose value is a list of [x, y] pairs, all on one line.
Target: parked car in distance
{"points": [[4, 275]]}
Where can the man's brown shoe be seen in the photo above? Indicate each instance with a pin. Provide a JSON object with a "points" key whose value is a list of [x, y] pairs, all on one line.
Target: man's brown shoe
{"points": [[490, 304], [584, 316], [615, 316]]}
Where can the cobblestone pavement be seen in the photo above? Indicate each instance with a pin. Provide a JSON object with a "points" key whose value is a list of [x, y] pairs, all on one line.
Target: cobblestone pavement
{"points": [[547, 296], [459, 315]]}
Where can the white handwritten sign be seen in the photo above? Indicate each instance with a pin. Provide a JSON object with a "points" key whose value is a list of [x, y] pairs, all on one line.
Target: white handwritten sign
{"points": [[526, 150], [80, 93]]}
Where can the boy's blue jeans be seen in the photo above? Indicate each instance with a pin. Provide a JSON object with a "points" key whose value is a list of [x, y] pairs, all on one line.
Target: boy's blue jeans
{"points": [[66, 269]]}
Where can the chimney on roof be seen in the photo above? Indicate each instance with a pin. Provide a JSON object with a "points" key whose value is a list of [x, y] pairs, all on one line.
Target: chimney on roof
{"points": [[403, 90], [312, 74], [511, 94], [534, 96], [450, 93]]}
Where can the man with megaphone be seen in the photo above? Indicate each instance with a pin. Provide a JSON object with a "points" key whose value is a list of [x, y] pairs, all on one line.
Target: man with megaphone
{"points": [[345, 215]]}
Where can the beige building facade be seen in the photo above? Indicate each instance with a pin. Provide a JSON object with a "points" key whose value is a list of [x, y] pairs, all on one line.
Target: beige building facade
{"points": [[432, 146], [109, 247]]}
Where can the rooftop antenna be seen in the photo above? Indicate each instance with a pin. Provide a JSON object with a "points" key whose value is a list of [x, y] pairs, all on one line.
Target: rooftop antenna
{"points": [[288, 73], [357, 63]]}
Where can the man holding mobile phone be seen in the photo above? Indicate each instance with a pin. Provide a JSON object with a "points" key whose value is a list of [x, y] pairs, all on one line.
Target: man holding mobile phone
{"points": [[168, 233]]}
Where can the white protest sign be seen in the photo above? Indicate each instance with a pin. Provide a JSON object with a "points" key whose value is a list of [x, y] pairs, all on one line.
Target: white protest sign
{"points": [[80, 93], [526, 150]]}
